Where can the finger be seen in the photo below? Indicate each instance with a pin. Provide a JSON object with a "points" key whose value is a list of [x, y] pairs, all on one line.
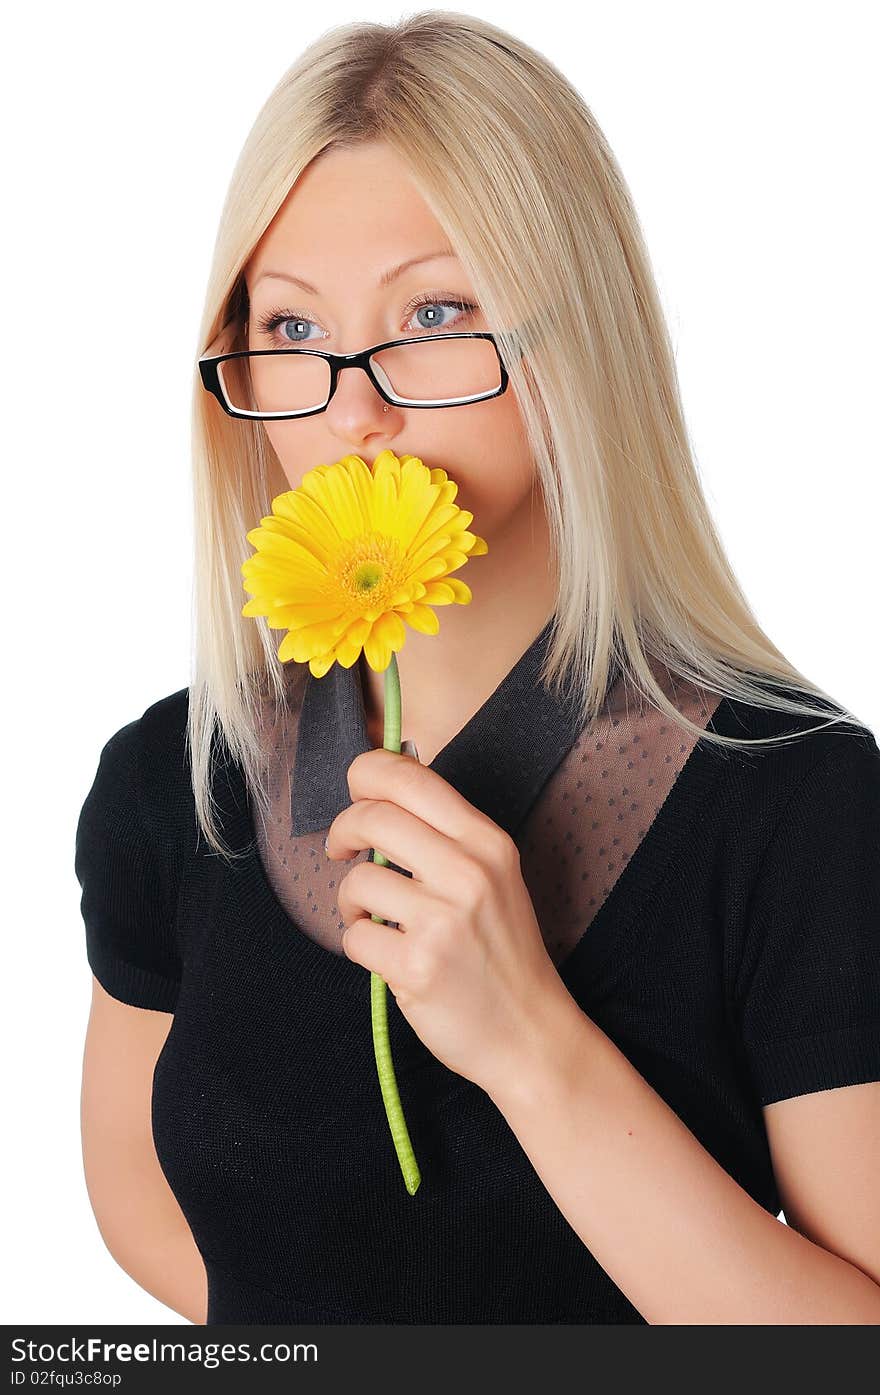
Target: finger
{"points": [[369, 889], [398, 835], [377, 948], [382, 774]]}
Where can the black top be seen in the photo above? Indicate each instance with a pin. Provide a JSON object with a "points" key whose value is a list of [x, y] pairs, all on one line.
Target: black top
{"points": [[717, 914]]}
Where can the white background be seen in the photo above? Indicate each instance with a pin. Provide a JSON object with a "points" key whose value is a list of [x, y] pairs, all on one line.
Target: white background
{"points": [[748, 136]]}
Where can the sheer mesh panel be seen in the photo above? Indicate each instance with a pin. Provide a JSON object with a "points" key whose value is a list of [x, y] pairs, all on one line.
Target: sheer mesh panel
{"points": [[586, 824]]}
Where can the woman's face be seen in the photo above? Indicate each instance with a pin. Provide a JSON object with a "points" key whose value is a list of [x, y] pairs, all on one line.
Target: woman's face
{"points": [[353, 214]]}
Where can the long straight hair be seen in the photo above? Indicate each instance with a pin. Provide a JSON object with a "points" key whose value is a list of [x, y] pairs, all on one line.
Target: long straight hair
{"points": [[513, 165]]}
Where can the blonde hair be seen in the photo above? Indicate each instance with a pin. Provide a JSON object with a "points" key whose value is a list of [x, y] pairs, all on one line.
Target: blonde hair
{"points": [[515, 168]]}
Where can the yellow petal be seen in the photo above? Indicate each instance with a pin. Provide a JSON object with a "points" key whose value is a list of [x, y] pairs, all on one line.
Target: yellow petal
{"points": [[417, 504], [438, 522], [453, 560], [299, 506], [304, 642], [320, 664], [341, 502], [361, 482], [284, 550], [390, 629], [434, 567], [387, 464], [464, 541], [376, 652], [265, 573], [255, 607], [300, 534], [383, 501], [462, 593], [432, 548], [351, 643], [311, 516], [293, 617], [439, 593], [422, 618]]}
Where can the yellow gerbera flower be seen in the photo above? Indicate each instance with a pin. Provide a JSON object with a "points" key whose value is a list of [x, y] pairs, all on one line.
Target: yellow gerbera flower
{"points": [[354, 554]]}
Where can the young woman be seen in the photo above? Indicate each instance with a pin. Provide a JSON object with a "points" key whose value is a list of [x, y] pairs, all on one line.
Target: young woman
{"points": [[634, 958]]}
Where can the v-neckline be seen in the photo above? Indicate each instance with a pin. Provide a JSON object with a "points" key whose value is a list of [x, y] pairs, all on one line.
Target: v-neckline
{"points": [[498, 760], [593, 951]]}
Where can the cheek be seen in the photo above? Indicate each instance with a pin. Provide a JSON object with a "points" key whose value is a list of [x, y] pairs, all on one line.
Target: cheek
{"points": [[498, 487], [298, 445], [497, 471]]}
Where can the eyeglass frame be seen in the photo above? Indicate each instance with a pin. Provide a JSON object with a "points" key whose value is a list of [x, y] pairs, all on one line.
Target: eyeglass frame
{"points": [[209, 369]]}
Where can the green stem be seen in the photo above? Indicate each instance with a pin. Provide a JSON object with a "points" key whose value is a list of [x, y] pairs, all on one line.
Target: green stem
{"points": [[378, 988]]}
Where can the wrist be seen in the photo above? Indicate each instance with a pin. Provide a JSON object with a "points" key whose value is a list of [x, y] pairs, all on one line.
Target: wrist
{"points": [[550, 1052]]}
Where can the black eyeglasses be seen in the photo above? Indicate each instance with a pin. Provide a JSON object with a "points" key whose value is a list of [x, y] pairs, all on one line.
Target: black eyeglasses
{"points": [[429, 371]]}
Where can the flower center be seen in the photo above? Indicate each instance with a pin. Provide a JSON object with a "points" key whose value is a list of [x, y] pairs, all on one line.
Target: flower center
{"points": [[372, 572], [367, 576]]}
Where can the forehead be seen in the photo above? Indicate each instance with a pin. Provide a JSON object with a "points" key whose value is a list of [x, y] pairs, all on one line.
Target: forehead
{"points": [[354, 206]]}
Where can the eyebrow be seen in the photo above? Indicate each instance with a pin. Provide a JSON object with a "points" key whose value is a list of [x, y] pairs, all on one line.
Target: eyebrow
{"points": [[385, 279]]}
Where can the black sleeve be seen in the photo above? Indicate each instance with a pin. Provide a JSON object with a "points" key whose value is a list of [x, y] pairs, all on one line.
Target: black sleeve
{"points": [[129, 922], [810, 973]]}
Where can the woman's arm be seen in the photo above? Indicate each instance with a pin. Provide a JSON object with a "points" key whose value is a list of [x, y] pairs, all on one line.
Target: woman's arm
{"points": [[138, 1215], [682, 1240]]}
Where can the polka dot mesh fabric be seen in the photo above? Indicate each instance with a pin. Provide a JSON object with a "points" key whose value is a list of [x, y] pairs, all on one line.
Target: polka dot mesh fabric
{"points": [[584, 827]]}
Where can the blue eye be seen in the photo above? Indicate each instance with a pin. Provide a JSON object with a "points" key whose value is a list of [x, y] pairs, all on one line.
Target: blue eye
{"points": [[271, 322], [464, 307]]}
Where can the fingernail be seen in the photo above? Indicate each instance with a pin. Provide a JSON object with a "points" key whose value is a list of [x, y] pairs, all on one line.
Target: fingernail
{"points": [[409, 748]]}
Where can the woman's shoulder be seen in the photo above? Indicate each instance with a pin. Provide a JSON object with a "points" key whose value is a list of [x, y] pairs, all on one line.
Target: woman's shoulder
{"points": [[795, 760], [153, 740], [145, 763], [131, 838], [796, 741], [163, 725]]}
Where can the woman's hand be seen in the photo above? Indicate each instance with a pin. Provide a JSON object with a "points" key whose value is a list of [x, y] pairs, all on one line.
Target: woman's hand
{"points": [[467, 965]]}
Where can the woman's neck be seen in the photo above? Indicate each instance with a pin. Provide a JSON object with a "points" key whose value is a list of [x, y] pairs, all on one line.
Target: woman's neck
{"points": [[446, 678]]}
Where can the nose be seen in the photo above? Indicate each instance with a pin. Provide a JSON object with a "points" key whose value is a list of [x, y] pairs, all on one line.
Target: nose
{"points": [[356, 410]]}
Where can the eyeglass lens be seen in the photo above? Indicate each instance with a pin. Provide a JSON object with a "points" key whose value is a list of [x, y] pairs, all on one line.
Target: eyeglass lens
{"points": [[420, 372]]}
